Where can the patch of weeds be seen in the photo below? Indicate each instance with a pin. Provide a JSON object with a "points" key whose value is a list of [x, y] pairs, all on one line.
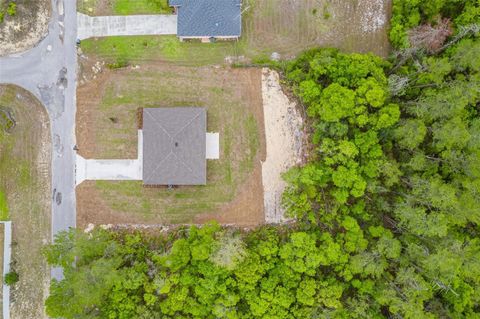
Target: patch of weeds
{"points": [[7, 122], [7, 8], [12, 9], [125, 7], [171, 48], [250, 127], [24, 174], [3, 207], [120, 63], [326, 13], [11, 278]]}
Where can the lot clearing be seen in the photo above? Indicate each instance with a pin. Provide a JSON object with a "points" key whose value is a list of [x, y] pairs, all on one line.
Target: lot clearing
{"points": [[291, 26], [26, 27], [25, 157], [107, 128]]}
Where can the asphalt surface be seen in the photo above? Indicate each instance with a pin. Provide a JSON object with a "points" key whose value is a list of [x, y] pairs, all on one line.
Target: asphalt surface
{"points": [[49, 72]]}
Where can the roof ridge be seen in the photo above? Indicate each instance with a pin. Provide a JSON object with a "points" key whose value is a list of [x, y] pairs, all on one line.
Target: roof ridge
{"points": [[160, 125], [189, 122], [160, 163]]}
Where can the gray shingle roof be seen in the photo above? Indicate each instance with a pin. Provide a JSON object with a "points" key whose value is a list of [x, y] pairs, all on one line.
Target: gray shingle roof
{"points": [[174, 146], [208, 18]]}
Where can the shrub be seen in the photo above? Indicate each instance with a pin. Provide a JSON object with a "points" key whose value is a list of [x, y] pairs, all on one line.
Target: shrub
{"points": [[12, 9], [11, 278]]}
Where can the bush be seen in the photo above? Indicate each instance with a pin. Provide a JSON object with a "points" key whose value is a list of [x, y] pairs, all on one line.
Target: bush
{"points": [[11, 278], [12, 9]]}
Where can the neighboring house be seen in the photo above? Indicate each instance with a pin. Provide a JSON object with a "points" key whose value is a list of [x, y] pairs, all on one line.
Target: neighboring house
{"points": [[208, 19], [174, 146]]}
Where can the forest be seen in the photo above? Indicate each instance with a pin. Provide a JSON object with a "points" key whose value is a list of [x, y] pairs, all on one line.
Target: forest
{"points": [[387, 209]]}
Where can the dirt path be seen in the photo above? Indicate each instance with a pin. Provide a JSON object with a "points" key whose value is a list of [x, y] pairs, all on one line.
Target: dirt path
{"points": [[283, 130], [25, 157], [26, 28]]}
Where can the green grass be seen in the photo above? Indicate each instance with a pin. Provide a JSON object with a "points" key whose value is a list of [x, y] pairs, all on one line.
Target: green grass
{"points": [[125, 7], [3, 207], [25, 195], [133, 49], [227, 113]]}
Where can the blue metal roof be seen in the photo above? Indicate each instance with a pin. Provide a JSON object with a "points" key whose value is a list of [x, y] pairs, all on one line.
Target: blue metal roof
{"points": [[208, 18]]}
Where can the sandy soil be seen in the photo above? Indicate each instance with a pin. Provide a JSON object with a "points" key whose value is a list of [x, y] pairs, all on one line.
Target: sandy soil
{"points": [[24, 30], [25, 159], [284, 136]]}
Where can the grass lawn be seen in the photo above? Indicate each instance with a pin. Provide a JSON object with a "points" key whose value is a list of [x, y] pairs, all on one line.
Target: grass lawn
{"points": [[138, 49], [233, 101], [123, 7], [25, 182]]}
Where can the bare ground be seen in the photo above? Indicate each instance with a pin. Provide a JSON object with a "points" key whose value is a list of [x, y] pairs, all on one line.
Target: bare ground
{"points": [[26, 28], [284, 137], [25, 157]]}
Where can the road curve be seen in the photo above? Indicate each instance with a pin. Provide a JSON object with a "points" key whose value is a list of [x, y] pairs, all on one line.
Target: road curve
{"points": [[49, 72]]}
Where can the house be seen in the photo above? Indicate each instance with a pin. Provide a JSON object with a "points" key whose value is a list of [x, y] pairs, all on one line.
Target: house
{"points": [[208, 19], [174, 146], [173, 149]]}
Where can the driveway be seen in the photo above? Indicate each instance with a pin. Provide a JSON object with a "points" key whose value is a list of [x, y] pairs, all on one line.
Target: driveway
{"points": [[125, 25], [49, 72], [111, 169]]}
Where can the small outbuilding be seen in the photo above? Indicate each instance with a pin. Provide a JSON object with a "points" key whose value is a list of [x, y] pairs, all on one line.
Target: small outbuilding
{"points": [[174, 146], [208, 19]]}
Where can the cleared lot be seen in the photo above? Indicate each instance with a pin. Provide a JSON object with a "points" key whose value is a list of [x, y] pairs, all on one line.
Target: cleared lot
{"points": [[291, 26], [25, 178], [107, 128]]}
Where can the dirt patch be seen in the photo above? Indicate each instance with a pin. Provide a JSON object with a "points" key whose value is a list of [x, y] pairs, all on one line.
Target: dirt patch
{"points": [[26, 28], [25, 159], [106, 128], [284, 136], [291, 26]]}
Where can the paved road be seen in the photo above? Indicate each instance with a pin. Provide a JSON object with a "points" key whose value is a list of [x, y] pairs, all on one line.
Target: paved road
{"points": [[49, 72], [159, 24]]}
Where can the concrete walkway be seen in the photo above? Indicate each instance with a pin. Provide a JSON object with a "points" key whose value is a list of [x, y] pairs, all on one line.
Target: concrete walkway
{"points": [[7, 256], [213, 146], [105, 26], [111, 169]]}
